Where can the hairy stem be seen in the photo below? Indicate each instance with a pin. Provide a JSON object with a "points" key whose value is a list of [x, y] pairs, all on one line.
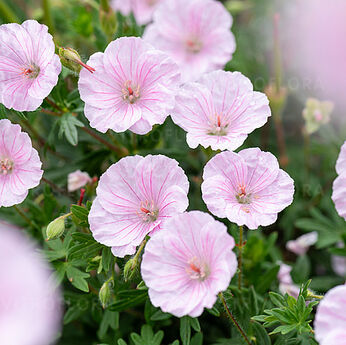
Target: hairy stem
{"points": [[232, 318]]}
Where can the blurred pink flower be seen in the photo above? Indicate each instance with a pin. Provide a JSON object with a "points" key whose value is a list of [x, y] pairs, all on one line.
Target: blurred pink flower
{"points": [[339, 185], [133, 87], [29, 67], [188, 263], [77, 179], [336, 337], [220, 110], [247, 187], [143, 10], [20, 165], [196, 33], [286, 284], [134, 198], [29, 302], [339, 265], [302, 244], [330, 314]]}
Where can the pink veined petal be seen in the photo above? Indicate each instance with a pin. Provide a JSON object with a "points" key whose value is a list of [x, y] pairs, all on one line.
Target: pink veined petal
{"points": [[122, 251], [339, 195], [341, 162], [142, 126], [123, 6], [7, 197]]}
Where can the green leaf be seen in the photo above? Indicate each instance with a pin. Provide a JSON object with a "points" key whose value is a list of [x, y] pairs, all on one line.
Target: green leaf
{"points": [[267, 278], [80, 212], [283, 329], [121, 342], [261, 335], [194, 323], [128, 299], [78, 278], [277, 299], [197, 339], [68, 124], [185, 330], [301, 270], [159, 315]]}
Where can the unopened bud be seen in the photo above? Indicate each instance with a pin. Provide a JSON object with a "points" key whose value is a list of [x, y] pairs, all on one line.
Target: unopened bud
{"points": [[130, 269], [72, 60], [56, 228], [105, 293]]}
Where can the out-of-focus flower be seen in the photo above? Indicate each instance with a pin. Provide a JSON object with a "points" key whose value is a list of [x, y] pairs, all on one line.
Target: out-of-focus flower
{"points": [[77, 179], [339, 265], [196, 33], [29, 67], [286, 284], [316, 113], [143, 10], [220, 110], [330, 314], [302, 244], [247, 187], [29, 302], [336, 337], [188, 263], [133, 87], [135, 197], [20, 165], [339, 185]]}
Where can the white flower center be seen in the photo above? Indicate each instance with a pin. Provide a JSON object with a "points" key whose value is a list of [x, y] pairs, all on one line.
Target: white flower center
{"points": [[130, 92], [218, 128], [6, 166], [193, 45], [197, 270], [31, 71], [148, 212]]}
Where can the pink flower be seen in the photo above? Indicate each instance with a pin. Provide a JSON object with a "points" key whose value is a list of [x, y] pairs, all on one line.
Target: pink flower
{"points": [[286, 284], [247, 187], [29, 302], [330, 314], [336, 337], [220, 110], [133, 87], [339, 265], [188, 263], [143, 10], [301, 245], [135, 197], [29, 67], [339, 185], [196, 33], [77, 179], [20, 165]]}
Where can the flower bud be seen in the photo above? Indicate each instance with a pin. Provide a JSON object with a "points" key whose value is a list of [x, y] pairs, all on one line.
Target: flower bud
{"points": [[105, 293], [130, 269], [56, 228], [72, 60]]}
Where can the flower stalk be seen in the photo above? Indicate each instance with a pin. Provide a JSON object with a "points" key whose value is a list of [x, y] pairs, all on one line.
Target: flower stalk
{"points": [[240, 257]]}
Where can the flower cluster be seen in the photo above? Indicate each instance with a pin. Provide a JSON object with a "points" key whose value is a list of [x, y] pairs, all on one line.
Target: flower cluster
{"points": [[29, 302], [20, 165], [339, 185]]}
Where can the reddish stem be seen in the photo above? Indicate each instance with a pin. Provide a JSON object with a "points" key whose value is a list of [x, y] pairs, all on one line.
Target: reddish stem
{"points": [[82, 192]]}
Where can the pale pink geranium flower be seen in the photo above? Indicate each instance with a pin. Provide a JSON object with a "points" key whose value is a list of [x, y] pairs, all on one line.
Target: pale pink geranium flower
{"points": [[336, 337], [29, 67], [188, 263], [135, 197], [286, 284], [30, 308], [20, 165], [77, 179], [247, 187], [196, 33], [339, 185], [302, 244], [330, 314], [220, 110], [143, 10], [133, 87]]}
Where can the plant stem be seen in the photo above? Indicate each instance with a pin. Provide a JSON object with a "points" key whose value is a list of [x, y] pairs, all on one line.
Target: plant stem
{"points": [[7, 14], [55, 187], [139, 251], [47, 13], [23, 215], [232, 318], [240, 257]]}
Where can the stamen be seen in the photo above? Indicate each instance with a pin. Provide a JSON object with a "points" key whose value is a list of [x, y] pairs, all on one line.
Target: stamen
{"points": [[148, 212], [196, 270], [130, 94], [6, 166]]}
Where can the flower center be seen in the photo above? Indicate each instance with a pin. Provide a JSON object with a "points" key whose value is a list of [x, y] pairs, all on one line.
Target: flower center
{"points": [[31, 72], [318, 116], [193, 45], [148, 212], [218, 128], [243, 197], [196, 270], [130, 92], [6, 166]]}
